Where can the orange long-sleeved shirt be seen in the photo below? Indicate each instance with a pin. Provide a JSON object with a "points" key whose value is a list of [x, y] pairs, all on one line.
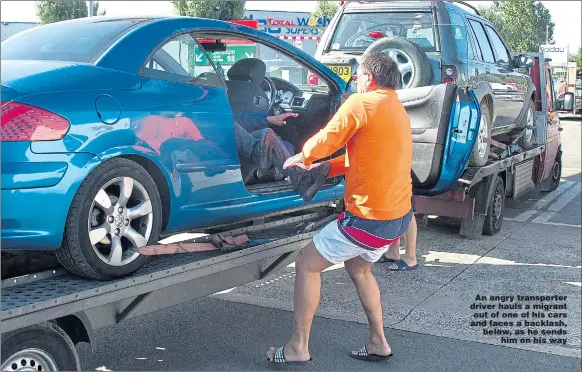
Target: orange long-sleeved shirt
{"points": [[378, 161]]}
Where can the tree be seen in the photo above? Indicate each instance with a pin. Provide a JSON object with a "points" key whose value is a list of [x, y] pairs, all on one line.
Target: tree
{"points": [[325, 9], [50, 11], [522, 23], [215, 9], [577, 58]]}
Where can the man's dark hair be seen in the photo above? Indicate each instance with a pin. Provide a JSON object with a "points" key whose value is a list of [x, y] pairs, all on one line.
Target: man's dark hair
{"points": [[383, 69]]}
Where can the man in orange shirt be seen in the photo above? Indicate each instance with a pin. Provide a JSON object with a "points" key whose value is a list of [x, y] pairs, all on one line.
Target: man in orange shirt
{"points": [[378, 198]]}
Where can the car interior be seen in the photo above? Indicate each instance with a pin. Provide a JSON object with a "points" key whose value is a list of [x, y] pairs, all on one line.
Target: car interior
{"points": [[250, 89]]}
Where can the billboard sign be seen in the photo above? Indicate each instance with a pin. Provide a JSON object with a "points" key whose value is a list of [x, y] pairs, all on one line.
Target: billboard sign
{"points": [[558, 54]]}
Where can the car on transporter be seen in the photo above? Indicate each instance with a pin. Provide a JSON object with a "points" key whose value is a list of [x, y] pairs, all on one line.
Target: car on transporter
{"points": [[439, 42], [118, 130]]}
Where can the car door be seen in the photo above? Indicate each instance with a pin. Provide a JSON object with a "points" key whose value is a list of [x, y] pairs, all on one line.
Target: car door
{"points": [[186, 120], [488, 71], [516, 82]]}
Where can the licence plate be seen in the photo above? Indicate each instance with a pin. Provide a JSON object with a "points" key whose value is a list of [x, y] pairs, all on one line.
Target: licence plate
{"points": [[345, 72]]}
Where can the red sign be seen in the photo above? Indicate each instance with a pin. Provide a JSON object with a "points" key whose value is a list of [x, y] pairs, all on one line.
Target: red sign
{"points": [[252, 23]]}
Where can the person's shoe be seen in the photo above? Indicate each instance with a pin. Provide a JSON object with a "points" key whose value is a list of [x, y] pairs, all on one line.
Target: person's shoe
{"points": [[307, 183], [262, 153]]}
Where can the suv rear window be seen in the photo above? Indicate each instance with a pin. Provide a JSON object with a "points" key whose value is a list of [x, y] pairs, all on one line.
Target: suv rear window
{"points": [[353, 29], [68, 41]]}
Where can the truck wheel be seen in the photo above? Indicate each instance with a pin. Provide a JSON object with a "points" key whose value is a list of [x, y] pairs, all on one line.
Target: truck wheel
{"points": [[529, 125], [480, 154], [116, 210], [494, 217], [41, 347], [412, 62], [554, 179]]}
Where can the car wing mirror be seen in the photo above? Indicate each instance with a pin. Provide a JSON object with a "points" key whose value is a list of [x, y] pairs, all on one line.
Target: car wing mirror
{"points": [[568, 104], [524, 61]]}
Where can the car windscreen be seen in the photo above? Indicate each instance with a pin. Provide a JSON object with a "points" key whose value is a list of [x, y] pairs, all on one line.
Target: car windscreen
{"points": [[63, 41], [356, 31]]}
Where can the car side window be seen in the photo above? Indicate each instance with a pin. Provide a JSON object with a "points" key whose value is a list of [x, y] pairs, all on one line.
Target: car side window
{"points": [[498, 46], [482, 41], [177, 61], [459, 30]]}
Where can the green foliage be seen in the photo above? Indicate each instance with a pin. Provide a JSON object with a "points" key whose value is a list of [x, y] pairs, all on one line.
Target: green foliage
{"points": [[50, 11], [325, 9], [215, 9], [521, 23], [577, 58]]}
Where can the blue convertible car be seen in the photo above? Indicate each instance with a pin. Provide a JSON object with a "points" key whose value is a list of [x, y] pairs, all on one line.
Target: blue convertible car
{"points": [[115, 130]]}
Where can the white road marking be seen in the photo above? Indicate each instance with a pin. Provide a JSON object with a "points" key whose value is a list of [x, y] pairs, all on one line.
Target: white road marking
{"points": [[543, 217], [524, 216], [561, 224], [577, 284], [551, 196], [566, 198]]}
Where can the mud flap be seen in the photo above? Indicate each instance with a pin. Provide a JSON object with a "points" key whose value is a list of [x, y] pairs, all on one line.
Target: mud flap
{"points": [[482, 193]]}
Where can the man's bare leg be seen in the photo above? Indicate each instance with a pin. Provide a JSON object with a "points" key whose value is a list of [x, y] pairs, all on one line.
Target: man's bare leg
{"points": [[308, 268], [409, 245], [361, 273]]}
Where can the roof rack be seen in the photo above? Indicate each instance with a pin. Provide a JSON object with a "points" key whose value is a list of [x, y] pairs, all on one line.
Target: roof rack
{"points": [[465, 4]]}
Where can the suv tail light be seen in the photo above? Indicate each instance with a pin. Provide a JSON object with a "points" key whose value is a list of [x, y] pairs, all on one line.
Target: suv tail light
{"points": [[449, 74], [21, 122]]}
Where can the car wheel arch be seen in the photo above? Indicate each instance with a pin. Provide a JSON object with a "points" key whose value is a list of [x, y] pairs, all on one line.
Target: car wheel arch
{"points": [[484, 93], [156, 171]]}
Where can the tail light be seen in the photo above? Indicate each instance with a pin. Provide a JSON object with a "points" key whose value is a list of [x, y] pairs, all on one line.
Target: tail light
{"points": [[21, 122], [449, 74]]}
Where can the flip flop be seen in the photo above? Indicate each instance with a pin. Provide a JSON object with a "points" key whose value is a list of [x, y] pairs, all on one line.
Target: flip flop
{"points": [[363, 354], [402, 266], [384, 259], [279, 358]]}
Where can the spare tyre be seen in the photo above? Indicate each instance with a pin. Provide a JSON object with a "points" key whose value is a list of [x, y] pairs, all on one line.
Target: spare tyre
{"points": [[411, 60]]}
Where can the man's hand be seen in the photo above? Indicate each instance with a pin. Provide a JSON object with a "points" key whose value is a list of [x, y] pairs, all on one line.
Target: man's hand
{"points": [[279, 120], [297, 161]]}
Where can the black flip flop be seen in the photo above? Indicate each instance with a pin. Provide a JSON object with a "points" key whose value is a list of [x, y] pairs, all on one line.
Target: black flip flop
{"points": [[279, 358], [363, 354]]}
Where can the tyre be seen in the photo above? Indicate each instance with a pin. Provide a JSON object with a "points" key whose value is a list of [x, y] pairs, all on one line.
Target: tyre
{"points": [[116, 210], [554, 179], [494, 217], [529, 125], [42, 347], [411, 60], [480, 153]]}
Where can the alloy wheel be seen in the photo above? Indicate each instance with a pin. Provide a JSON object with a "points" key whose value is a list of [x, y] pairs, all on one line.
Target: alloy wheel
{"points": [[120, 221]]}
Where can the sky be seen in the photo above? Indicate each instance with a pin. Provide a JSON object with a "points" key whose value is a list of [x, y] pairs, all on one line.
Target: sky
{"points": [[567, 15]]}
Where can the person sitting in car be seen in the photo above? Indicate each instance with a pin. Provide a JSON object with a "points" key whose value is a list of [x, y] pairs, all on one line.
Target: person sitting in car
{"points": [[262, 154]]}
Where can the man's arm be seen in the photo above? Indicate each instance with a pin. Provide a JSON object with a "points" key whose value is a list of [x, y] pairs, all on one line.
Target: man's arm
{"points": [[344, 124], [338, 166]]}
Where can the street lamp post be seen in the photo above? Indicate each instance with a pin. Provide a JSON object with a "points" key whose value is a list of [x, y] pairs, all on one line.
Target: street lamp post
{"points": [[91, 8]]}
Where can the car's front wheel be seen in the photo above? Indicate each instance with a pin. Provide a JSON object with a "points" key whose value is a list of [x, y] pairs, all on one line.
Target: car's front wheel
{"points": [[116, 210]]}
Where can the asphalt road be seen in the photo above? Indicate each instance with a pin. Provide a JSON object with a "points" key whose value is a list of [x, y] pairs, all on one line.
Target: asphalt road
{"points": [[427, 312]]}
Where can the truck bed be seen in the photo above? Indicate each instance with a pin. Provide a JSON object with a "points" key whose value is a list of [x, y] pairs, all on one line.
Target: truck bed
{"points": [[163, 281]]}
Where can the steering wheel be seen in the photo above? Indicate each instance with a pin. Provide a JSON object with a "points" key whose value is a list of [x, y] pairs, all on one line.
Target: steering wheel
{"points": [[272, 91]]}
